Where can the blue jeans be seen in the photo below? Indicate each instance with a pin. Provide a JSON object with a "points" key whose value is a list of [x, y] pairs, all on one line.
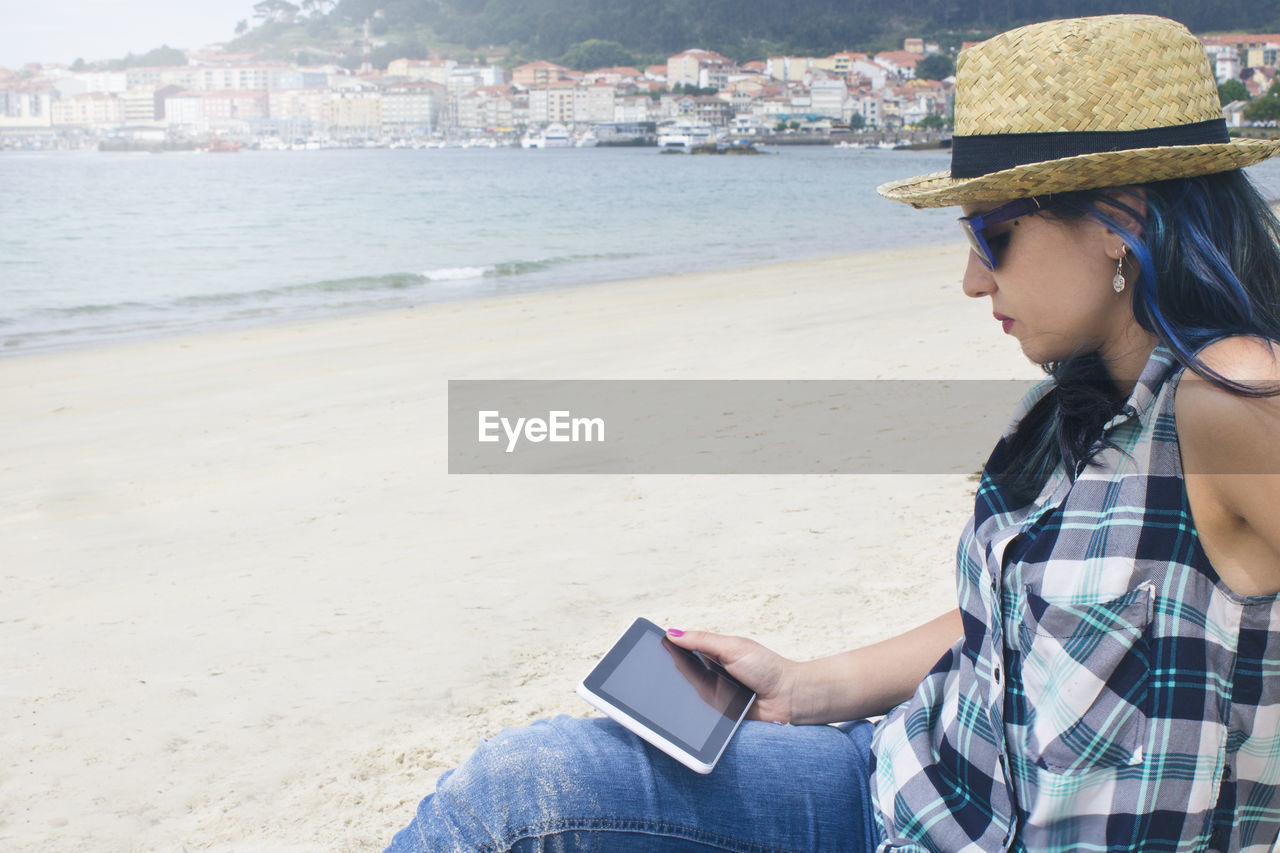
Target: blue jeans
{"points": [[590, 785]]}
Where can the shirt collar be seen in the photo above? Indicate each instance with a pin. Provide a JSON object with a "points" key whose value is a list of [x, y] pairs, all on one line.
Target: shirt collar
{"points": [[1159, 367]]}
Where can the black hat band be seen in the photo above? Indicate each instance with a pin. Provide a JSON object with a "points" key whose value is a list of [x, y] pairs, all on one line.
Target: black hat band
{"points": [[975, 156]]}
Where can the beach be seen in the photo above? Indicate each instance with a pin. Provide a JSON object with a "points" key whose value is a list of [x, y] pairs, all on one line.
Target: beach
{"points": [[247, 607]]}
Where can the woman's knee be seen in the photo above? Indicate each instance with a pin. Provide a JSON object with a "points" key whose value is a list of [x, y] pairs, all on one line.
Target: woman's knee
{"points": [[540, 764], [522, 783]]}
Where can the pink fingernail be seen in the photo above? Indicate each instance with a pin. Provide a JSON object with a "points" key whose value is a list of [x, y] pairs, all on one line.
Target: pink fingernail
{"points": [[675, 632]]}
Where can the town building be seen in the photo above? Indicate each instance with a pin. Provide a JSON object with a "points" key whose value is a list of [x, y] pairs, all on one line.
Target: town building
{"points": [[26, 106], [414, 106], [552, 103], [532, 75], [90, 110], [686, 69], [422, 70], [487, 108]]}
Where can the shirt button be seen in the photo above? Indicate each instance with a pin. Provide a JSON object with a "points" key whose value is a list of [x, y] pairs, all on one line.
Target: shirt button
{"points": [[1226, 772], [997, 673]]}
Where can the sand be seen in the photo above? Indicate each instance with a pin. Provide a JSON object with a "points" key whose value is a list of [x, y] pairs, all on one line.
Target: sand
{"points": [[246, 607]]}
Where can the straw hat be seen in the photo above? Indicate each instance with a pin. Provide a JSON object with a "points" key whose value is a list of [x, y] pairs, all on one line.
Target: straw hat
{"points": [[1082, 103]]}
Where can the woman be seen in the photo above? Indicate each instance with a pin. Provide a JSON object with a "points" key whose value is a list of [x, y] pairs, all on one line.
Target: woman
{"points": [[1109, 679]]}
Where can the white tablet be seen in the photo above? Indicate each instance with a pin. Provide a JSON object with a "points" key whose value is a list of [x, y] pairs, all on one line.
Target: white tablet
{"points": [[680, 701]]}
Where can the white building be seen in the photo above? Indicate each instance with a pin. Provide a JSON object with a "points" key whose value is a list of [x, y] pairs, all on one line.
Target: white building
{"points": [[1227, 65], [873, 72], [464, 80], [686, 68], [633, 109], [554, 103], [789, 69], [238, 77], [827, 98], [1234, 113], [413, 105], [423, 70], [185, 109], [871, 107], [27, 107], [109, 82], [182, 76], [139, 105], [594, 103], [95, 109], [297, 105]]}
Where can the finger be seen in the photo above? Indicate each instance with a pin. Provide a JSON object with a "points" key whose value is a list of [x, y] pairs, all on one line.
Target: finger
{"points": [[723, 648]]}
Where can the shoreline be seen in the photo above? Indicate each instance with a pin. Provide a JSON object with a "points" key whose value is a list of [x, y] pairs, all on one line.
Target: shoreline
{"points": [[338, 314], [248, 609]]}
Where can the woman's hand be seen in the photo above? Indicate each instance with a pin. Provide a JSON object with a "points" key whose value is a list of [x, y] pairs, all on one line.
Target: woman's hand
{"points": [[768, 673], [852, 685]]}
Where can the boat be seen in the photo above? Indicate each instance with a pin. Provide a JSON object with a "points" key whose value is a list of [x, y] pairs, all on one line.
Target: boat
{"points": [[221, 146], [684, 136], [587, 140], [556, 136]]}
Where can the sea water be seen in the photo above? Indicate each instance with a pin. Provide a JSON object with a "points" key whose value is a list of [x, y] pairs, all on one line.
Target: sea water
{"points": [[101, 246]]}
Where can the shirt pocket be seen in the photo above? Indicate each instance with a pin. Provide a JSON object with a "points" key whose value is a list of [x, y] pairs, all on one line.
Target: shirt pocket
{"points": [[1085, 675]]}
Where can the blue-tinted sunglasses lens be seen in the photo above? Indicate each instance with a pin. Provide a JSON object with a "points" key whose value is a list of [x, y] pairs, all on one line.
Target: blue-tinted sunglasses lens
{"points": [[979, 245], [975, 227]]}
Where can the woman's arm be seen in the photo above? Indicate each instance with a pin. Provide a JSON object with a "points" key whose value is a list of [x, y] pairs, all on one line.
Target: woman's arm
{"points": [[1231, 459], [862, 683]]}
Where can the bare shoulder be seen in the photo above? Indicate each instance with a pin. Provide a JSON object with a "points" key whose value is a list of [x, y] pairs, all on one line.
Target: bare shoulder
{"points": [[1255, 361], [1231, 458], [1230, 432], [1243, 359]]}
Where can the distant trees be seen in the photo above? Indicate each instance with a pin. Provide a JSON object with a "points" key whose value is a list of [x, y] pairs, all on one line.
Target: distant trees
{"points": [[275, 11], [589, 34], [163, 55], [318, 7], [596, 53], [695, 91], [935, 66], [1232, 90], [381, 56], [1266, 108]]}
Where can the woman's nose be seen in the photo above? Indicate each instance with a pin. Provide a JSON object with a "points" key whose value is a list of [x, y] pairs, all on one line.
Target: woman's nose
{"points": [[978, 280]]}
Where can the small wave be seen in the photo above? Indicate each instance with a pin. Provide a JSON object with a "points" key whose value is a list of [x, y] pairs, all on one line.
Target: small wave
{"points": [[93, 308], [510, 268], [458, 273], [97, 319], [394, 281], [522, 267]]}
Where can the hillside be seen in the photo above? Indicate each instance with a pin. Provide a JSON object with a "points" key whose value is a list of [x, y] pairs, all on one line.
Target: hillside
{"points": [[650, 29]]}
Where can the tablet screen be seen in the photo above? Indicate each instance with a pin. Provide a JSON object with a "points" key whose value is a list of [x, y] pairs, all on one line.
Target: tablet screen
{"points": [[671, 690]]}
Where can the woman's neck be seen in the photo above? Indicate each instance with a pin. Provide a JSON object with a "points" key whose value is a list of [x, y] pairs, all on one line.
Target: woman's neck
{"points": [[1126, 357]]}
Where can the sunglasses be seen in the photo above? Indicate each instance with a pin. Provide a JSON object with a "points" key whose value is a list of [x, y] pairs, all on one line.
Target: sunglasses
{"points": [[975, 227]]}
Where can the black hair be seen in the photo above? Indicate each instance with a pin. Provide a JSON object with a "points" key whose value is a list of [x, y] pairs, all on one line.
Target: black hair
{"points": [[1209, 251]]}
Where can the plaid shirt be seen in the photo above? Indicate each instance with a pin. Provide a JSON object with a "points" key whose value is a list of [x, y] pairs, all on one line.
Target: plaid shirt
{"points": [[1109, 692]]}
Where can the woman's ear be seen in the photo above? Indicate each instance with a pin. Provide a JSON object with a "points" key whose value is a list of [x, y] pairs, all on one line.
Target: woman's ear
{"points": [[1128, 206]]}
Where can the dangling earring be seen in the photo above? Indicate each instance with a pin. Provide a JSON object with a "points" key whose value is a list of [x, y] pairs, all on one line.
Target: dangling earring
{"points": [[1117, 283]]}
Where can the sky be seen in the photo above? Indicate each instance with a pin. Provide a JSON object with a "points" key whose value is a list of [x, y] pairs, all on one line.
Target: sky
{"points": [[62, 30]]}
